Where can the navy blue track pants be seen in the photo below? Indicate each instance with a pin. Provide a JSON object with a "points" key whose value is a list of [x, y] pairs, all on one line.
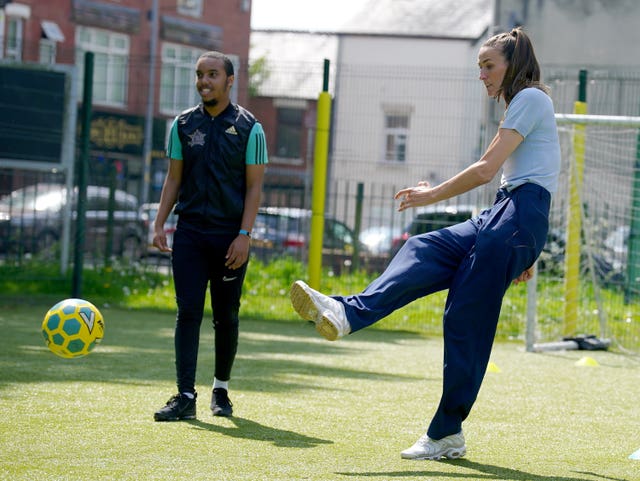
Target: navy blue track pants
{"points": [[198, 261], [476, 260]]}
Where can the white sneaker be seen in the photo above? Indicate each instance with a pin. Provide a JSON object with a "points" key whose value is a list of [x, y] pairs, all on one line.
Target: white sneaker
{"points": [[450, 447], [327, 313]]}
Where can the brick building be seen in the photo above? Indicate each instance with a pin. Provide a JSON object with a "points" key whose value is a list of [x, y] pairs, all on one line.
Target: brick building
{"points": [[120, 34]]}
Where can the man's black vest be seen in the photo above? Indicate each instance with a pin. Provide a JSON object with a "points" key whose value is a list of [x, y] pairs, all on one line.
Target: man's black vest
{"points": [[213, 178]]}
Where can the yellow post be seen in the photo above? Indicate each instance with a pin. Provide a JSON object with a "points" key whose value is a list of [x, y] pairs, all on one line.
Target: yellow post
{"points": [[319, 188], [574, 227]]}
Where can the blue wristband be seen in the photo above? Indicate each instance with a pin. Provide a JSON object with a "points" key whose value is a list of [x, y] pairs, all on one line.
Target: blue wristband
{"points": [[244, 232]]}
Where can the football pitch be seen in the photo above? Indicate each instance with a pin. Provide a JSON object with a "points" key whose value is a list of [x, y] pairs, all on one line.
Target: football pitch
{"points": [[304, 408]]}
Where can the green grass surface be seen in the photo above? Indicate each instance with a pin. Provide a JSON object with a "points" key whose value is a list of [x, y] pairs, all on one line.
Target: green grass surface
{"points": [[305, 409], [149, 286]]}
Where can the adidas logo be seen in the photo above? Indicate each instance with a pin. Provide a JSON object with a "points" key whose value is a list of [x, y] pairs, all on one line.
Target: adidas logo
{"points": [[231, 130]]}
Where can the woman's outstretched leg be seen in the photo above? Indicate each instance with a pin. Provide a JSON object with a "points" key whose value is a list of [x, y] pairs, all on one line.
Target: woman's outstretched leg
{"points": [[425, 264]]}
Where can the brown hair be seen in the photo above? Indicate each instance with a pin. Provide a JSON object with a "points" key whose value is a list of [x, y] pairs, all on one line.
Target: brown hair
{"points": [[523, 70]]}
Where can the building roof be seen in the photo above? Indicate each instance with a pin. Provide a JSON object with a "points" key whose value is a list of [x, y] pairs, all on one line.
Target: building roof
{"points": [[294, 59], [425, 18]]}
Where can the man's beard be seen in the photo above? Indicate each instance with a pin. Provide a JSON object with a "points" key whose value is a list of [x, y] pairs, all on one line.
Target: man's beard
{"points": [[210, 103]]}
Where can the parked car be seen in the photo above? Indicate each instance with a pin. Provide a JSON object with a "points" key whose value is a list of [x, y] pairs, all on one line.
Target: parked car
{"points": [[31, 220], [616, 247], [377, 240], [433, 217], [607, 258], [615, 254], [285, 231], [148, 213]]}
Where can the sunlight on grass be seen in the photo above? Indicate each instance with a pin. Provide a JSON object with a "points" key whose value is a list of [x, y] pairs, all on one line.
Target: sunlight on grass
{"points": [[304, 408], [265, 297]]}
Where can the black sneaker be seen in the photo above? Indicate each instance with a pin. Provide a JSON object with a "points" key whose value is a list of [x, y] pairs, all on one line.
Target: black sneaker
{"points": [[220, 403], [178, 407]]}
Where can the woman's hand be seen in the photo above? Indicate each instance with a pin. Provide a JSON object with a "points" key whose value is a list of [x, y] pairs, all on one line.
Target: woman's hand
{"points": [[525, 276], [414, 196]]}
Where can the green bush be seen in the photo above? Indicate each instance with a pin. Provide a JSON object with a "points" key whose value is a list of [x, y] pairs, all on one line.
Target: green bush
{"points": [[265, 297]]}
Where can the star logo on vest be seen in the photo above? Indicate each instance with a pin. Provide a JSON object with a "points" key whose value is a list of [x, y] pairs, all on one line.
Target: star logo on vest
{"points": [[197, 138], [232, 130]]}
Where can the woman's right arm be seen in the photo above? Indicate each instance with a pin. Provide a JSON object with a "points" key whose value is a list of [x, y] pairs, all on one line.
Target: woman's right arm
{"points": [[478, 173]]}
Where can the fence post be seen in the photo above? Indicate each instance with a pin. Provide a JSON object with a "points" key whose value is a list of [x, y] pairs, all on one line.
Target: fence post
{"points": [[83, 165], [321, 152], [633, 246], [574, 216], [532, 306], [355, 262], [111, 206]]}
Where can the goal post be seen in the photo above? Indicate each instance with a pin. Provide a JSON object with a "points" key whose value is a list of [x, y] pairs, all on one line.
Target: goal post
{"points": [[618, 121], [574, 224], [591, 284]]}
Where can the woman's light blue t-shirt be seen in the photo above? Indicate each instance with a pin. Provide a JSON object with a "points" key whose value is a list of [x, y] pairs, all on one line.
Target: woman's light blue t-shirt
{"points": [[537, 158]]}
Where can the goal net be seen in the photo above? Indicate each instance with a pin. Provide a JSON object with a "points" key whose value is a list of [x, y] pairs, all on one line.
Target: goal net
{"points": [[589, 272]]}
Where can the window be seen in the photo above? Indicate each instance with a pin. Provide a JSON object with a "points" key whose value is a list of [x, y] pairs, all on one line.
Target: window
{"points": [[111, 64], [396, 132], [51, 35], [193, 8], [13, 39], [2, 31], [178, 78], [47, 51], [289, 133]]}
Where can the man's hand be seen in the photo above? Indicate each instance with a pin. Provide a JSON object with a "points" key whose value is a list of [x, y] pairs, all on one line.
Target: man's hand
{"points": [[160, 240], [238, 252]]}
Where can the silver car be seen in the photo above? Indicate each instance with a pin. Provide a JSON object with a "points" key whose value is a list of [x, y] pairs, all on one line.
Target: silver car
{"points": [[32, 220]]}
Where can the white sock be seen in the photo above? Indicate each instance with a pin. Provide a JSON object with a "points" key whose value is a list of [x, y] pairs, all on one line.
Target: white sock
{"points": [[217, 383]]}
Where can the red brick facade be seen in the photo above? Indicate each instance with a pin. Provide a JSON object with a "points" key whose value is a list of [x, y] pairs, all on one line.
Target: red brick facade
{"points": [[232, 17], [117, 127]]}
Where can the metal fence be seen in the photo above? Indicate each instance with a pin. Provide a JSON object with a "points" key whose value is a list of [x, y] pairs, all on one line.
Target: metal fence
{"points": [[362, 199]]}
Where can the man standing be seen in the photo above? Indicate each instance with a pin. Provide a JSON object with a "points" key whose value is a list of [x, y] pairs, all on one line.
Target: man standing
{"points": [[218, 154]]}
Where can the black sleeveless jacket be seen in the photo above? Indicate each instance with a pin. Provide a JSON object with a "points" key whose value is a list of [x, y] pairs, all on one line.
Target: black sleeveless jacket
{"points": [[213, 186]]}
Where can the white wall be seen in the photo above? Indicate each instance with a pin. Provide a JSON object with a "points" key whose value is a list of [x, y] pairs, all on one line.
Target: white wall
{"points": [[435, 80], [588, 32]]}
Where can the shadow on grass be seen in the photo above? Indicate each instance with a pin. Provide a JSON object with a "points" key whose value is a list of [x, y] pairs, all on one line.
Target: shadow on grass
{"points": [[138, 348], [247, 429], [484, 471]]}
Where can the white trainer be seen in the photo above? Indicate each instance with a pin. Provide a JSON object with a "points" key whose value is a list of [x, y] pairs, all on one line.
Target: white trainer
{"points": [[450, 447], [327, 313]]}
